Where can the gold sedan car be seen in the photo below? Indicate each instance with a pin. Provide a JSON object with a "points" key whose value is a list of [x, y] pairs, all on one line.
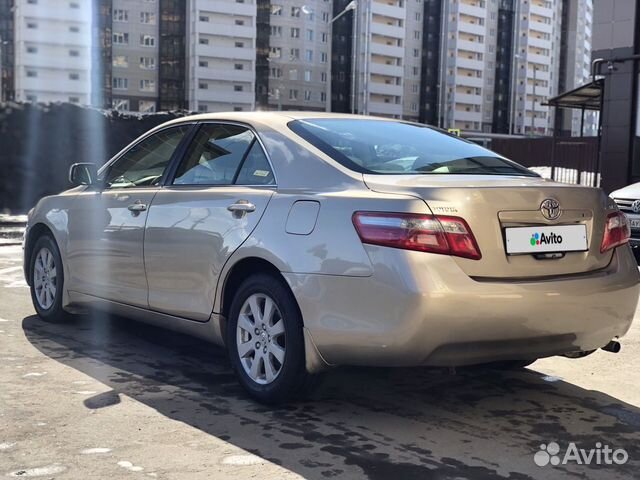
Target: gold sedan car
{"points": [[301, 241]]}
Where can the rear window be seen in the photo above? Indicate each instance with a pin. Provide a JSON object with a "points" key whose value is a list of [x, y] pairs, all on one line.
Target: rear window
{"points": [[386, 147]]}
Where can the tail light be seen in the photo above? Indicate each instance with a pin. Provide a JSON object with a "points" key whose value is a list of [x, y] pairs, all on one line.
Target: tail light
{"points": [[616, 231], [426, 233]]}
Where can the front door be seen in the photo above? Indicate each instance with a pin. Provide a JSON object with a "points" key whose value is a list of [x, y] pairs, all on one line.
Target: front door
{"points": [[105, 250], [215, 200]]}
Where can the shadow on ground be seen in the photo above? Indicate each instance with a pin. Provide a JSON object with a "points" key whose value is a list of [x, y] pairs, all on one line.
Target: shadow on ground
{"points": [[377, 423]]}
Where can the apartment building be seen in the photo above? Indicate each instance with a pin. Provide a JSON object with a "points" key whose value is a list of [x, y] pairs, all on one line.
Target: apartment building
{"points": [[575, 67], [6, 50], [221, 55], [134, 54], [52, 51]]}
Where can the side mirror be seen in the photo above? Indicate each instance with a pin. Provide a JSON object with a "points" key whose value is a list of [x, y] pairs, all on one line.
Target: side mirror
{"points": [[83, 174]]}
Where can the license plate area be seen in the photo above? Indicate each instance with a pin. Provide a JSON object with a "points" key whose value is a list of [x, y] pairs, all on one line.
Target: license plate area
{"points": [[544, 239]]}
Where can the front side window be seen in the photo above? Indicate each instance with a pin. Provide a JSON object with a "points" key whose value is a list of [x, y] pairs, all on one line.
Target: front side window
{"points": [[143, 165], [224, 155], [388, 147]]}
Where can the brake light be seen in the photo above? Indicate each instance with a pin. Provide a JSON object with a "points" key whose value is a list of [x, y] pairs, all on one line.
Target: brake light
{"points": [[616, 231], [426, 233]]}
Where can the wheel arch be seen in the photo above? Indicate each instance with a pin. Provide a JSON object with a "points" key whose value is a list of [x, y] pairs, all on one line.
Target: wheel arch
{"points": [[35, 232]]}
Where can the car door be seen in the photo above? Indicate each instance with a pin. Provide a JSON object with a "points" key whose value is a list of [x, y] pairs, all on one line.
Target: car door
{"points": [[105, 247], [205, 211]]}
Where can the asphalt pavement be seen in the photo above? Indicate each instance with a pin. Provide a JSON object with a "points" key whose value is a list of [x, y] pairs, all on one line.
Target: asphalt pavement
{"points": [[102, 398]]}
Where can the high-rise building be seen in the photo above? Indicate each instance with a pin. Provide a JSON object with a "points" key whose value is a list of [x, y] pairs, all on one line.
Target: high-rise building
{"points": [[575, 67], [134, 54], [52, 45], [7, 53], [221, 45]]}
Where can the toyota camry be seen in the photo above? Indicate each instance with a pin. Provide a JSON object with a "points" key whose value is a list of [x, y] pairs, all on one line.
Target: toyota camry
{"points": [[301, 241]]}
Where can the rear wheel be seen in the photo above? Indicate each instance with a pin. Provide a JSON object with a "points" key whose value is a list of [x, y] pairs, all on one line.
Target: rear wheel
{"points": [[47, 279], [265, 340]]}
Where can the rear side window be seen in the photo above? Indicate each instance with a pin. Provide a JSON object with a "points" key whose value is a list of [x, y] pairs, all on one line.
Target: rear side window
{"points": [[215, 155], [255, 169], [388, 147]]}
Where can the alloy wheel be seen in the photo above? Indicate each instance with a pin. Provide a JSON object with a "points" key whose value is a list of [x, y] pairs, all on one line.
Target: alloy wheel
{"points": [[260, 338], [45, 278]]}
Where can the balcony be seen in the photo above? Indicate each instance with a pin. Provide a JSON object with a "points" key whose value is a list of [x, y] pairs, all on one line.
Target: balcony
{"points": [[387, 50], [540, 27], [388, 10], [219, 29], [225, 96], [471, 10], [472, 28], [383, 69], [464, 62], [387, 30], [468, 98], [466, 81], [383, 108], [385, 88], [226, 74], [233, 8], [538, 42], [471, 46], [467, 116], [226, 52], [542, 11]]}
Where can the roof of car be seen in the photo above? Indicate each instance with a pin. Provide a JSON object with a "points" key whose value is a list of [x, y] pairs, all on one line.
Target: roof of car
{"points": [[267, 116]]}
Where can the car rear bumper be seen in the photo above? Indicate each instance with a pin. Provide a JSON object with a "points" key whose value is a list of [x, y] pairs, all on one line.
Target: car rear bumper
{"points": [[421, 309]]}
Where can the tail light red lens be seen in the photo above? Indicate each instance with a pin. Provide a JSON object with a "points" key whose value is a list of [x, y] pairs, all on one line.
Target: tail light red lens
{"points": [[426, 233], [616, 231]]}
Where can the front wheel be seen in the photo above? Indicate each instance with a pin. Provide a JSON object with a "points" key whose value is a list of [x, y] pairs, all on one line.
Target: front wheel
{"points": [[265, 340], [47, 279]]}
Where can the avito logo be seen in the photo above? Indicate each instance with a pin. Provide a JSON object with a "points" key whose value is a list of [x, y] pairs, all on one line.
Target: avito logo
{"points": [[542, 239]]}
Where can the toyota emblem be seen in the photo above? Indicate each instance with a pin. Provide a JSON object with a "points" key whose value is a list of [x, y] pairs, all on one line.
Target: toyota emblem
{"points": [[550, 209]]}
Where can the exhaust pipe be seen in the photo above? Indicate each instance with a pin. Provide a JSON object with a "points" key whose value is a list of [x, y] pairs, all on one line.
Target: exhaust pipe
{"points": [[613, 346]]}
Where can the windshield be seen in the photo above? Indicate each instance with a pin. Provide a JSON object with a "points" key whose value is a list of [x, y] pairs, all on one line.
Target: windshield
{"points": [[389, 147]]}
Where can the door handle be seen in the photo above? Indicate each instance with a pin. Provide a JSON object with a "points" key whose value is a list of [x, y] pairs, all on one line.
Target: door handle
{"points": [[137, 207], [241, 208]]}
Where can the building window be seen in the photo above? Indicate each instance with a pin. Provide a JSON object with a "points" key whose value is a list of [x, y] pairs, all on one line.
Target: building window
{"points": [[74, 53], [276, 31], [323, 77], [32, 25], [74, 76], [120, 61], [239, 22], [32, 98], [120, 15], [293, 94], [239, 44], [238, 66], [276, 72], [32, 49], [323, 97], [276, 10], [74, 5], [74, 29], [147, 41], [203, 41], [294, 54], [120, 83], [204, 18], [275, 52], [295, 32], [148, 18], [203, 64], [307, 75], [238, 88], [310, 35], [148, 63], [323, 37], [120, 38], [147, 85], [325, 17], [308, 55], [203, 86], [147, 106], [120, 104], [323, 57], [32, 73], [203, 108], [293, 74], [307, 95], [74, 100], [295, 12], [237, 109]]}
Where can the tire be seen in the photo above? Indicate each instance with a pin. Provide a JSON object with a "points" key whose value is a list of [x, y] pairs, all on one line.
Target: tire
{"points": [[279, 381], [47, 280]]}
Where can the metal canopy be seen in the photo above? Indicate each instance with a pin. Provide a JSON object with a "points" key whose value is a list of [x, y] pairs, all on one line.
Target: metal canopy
{"points": [[585, 97]]}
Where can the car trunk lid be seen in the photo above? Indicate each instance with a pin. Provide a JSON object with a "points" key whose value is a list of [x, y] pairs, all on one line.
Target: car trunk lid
{"points": [[491, 204]]}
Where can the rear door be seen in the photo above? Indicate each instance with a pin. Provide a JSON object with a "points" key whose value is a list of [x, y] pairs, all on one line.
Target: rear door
{"points": [[208, 207]]}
